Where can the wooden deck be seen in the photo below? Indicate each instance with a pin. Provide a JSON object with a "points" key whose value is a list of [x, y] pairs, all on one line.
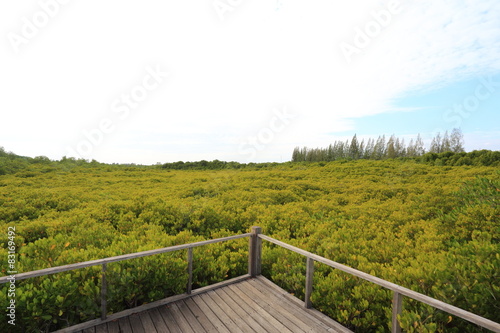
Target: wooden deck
{"points": [[251, 305], [248, 303]]}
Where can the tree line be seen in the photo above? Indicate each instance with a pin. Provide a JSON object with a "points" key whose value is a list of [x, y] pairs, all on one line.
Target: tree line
{"points": [[381, 148]]}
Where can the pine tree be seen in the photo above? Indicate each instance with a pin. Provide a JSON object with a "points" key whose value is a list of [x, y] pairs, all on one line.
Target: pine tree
{"points": [[296, 155], [445, 144], [362, 149], [399, 146], [354, 148], [380, 149], [391, 151], [411, 151], [330, 154], [369, 148], [419, 146], [457, 141], [436, 144]]}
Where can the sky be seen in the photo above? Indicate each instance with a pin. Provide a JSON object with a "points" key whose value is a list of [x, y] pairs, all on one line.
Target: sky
{"points": [[151, 81]]}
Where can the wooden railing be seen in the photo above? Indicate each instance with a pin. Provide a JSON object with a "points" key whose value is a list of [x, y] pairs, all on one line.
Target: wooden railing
{"points": [[398, 291], [103, 263], [254, 269]]}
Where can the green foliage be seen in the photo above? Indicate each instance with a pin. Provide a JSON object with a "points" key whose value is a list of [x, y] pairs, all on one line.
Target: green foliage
{"points": [[433, 229], [478, 208]]}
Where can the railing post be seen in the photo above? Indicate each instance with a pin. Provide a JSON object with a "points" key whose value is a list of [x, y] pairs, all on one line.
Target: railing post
{"points": [[104, 291], [254, 252], [190, 270], [309, 282], [397, 309]]}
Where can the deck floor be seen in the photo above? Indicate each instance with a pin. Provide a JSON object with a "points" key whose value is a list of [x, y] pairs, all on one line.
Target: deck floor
{"points": [[253, 305]]}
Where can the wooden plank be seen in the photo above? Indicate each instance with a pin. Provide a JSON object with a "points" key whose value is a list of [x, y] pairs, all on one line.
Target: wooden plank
{"points": [[256, 321], [179, 318], [279, 292], [289, 310], [103, 328], [211, 316], [89, 330], [113, 327], [200, 315], [147, 322], [152, 305], [158, 321], [70, 267], [169, 319], [136, 323], [294, 303], [228, 322], [190, 317], [125, 325], [271, 322], [239, 320], [296, 306], [274, 307]]}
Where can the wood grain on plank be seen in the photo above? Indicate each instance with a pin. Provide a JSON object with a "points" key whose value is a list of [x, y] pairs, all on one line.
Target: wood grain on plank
{"points": [[158, 321], [238, 316], [169, 319]]}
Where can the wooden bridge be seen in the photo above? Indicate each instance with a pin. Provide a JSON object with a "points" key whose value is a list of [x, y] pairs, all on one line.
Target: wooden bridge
{"points": [[249, 303]]}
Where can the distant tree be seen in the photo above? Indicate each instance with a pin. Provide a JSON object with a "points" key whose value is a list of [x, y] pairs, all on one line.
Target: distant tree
{"points": [[354, 148], [296, 155], [394, 148], [361, 149], [391, 150], [410, 150], [41, 159], [400, 148], [457, 141], [445, 144], [379, 149], [369, 148], [436, 144], [331, 153], [419, 146]]}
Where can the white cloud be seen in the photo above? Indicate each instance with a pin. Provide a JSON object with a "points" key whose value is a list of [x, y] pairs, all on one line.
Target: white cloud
{"points": [[226, 76]]}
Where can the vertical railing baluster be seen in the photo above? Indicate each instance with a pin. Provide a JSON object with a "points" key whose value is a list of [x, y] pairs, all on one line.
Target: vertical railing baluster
{"points": [[104, 291], [309, 282], [190, 270], [397, 309], [254, 252]]}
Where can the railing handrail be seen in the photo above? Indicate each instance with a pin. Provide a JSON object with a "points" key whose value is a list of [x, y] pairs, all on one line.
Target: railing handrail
{"points": [[254, 266], [70, 267], [397, 289]]}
